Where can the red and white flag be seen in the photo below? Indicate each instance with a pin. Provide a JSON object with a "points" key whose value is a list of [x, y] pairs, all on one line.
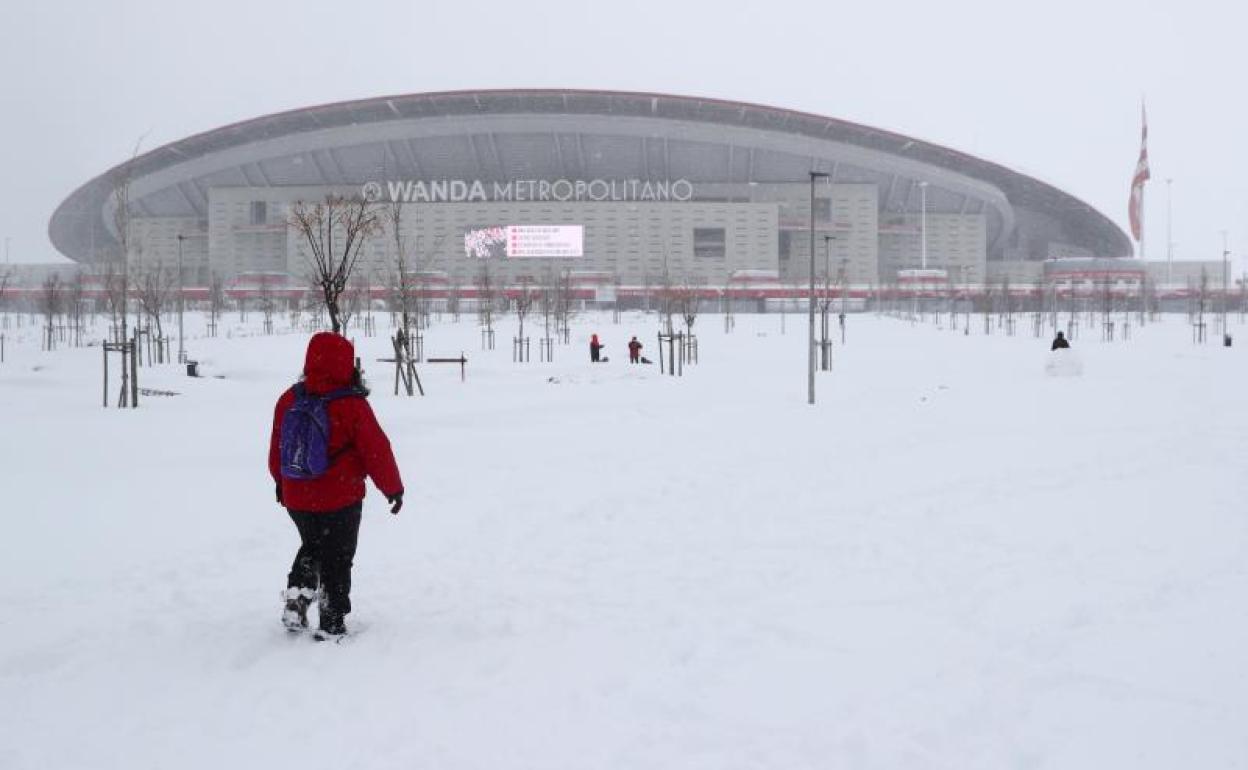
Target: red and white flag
{"points": [[1135, 209]]}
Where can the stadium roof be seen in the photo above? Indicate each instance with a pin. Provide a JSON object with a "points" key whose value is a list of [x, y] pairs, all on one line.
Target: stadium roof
{"points": [[572, 134]]}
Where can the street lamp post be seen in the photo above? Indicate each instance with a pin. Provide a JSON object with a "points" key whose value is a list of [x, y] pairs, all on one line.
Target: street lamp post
{"points": [[1226, 335], [825, 304], [181, 301], [810, 342], [827, 282], [923, 223], [844, 293]]}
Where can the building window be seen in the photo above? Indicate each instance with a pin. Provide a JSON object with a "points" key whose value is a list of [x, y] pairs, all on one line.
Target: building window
{"points": [[785, 248], [708, 243], [259, 212]]}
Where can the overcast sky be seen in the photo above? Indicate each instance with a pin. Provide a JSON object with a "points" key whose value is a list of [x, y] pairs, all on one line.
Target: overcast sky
{"points": [[1048, 88]]}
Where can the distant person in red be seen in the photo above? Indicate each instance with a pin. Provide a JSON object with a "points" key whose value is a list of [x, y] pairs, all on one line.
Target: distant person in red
{"points": [[634, 351], [325, 440], [595, 349]]}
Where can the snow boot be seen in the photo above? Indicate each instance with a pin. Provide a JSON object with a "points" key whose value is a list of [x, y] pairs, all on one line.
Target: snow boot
{"points": [[295, 613], [333, 626]]}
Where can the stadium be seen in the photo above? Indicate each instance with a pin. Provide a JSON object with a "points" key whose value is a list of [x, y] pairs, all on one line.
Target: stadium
{"points": [[623, 191]]}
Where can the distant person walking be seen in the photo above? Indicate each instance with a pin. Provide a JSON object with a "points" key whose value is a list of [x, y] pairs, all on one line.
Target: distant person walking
{"points": [[595, 349], [324, 442], [1059, 341], [634, 351]]}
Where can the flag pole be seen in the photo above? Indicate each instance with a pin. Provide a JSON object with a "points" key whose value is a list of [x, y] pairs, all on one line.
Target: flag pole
{"points": [[1144, 152]]}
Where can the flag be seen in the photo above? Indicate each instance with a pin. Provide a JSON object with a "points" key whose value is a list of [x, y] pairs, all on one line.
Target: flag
{"points": [[1135, 209]]}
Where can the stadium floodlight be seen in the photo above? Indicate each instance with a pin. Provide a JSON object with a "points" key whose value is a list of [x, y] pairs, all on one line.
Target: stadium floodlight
{"points": [[923, 224], [810, 342]]}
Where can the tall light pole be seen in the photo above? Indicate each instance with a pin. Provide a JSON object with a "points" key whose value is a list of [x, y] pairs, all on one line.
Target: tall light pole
{"points": [[181, 300], [826, 303], [810, 342], [923, 223], [1225, 281], [844, 293], [827, 261]]}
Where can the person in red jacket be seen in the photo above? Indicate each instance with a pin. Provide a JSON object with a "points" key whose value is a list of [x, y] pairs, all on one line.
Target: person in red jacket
{"points": [[326, 510], [634, 351]]}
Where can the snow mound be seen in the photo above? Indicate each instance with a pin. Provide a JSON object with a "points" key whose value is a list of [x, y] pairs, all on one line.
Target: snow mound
{"points": [[1063, 362]]}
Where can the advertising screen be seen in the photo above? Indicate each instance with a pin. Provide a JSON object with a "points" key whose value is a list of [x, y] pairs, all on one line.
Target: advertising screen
{"points": [[524, 241]]}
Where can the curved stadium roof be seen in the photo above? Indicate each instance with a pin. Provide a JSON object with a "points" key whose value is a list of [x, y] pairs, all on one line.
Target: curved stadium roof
{"points": [[572, 134]]}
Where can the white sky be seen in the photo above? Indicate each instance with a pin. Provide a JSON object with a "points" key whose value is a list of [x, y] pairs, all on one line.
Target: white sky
{"points": [[1048, 88]]}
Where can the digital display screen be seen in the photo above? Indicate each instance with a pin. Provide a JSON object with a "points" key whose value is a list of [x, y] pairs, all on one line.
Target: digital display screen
{"points": [[524, 241]]}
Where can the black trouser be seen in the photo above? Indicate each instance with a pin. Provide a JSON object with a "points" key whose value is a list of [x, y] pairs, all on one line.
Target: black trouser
{"points": [[326, 555]]}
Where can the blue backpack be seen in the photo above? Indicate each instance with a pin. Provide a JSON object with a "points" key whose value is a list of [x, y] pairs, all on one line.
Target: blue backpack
{"points": [[304, 442]]}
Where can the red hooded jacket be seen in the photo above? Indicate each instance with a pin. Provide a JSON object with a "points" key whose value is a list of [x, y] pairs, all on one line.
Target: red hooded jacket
{"points": [[356, 442]]}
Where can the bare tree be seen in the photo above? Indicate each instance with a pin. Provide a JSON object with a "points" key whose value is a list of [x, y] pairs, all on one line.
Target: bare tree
{"points": [[565, 295], [987, 299], [549, 301], [75, 298], [6, 278], [453, 296], [1243, 294], [154, 291], [667, 292], [355, 300], [127, 247], [486, 295], [115, 298], [687, 302], [401, 282], [295, 307], [216, 300], [526, 296], [1006, 317], [1202, 303], [616, 281], [264, 298], [336, 230], [51, 301], [1107, 306]]}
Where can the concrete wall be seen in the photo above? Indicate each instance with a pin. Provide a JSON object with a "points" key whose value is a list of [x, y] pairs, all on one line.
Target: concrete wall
{"points": [[854, 225], [634, 239], [766, 227], [1187, 273], [957, 243], [154, 241], [1019, 273], [237, 243]]}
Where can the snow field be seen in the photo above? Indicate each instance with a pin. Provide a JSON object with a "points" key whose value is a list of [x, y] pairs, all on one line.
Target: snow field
{"points": [[952, 561]]}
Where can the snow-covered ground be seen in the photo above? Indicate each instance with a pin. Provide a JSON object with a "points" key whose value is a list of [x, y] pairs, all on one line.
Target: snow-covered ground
{"points": [[952, 561]]}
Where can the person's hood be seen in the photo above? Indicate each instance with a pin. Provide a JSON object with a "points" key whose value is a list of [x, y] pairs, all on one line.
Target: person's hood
{"points": [[330, 363]]}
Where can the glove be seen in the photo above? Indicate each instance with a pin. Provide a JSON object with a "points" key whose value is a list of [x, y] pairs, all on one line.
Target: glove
{"points": [[279, 493], [396, 502]]}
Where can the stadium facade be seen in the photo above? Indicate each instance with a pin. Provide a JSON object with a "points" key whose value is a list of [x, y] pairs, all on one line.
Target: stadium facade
{"points": [[638, 187]]}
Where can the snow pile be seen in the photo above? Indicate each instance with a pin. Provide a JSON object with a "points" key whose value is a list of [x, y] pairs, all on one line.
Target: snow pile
{"points": [[950, 561], [1063, 362]]}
